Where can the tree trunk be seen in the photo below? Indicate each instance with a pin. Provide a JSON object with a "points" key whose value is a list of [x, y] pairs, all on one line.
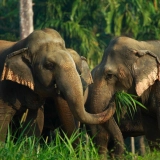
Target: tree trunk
{"points": [[142, 145], [132, 145], [26, 18]]}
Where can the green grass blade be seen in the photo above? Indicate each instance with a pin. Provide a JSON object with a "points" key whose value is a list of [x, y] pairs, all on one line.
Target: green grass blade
{"points": [[127, 102]]}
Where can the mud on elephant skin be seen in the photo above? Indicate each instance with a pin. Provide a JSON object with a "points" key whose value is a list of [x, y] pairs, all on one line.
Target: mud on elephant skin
{"points": [[29, 70], [131, 66]]}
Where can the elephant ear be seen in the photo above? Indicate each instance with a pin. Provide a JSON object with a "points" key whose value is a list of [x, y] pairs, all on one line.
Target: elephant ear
{"points": [[146, 70], [17, 70], [86, 76]]}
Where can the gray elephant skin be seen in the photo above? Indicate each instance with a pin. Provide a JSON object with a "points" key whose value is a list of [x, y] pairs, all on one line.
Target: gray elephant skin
{"points": [[30, 69], [131, 66], [59, 115]]}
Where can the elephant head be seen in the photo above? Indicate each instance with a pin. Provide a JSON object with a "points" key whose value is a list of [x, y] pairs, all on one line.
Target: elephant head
{"points": [[127, 65], [42, 63]]}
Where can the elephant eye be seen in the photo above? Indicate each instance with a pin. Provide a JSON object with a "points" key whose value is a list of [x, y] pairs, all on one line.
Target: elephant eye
{"points": [[108, 76], [49, 65]]}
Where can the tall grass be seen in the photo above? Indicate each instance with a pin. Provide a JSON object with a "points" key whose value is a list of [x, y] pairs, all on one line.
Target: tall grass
{"points": [[31, 148], [61, 148]]}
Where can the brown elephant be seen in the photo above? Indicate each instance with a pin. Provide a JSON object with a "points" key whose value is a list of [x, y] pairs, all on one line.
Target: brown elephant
{"points": [[131, 66], [59, 115], [131, 126], [37, 67]]}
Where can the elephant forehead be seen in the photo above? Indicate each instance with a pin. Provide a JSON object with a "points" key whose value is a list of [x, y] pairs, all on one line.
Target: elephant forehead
{"points": [[46, 47], [67, 65]]}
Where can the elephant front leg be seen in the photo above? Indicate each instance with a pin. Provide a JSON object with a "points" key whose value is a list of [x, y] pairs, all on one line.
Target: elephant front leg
{"points": [[69, 123], [100, 138], [116, 138], [6, 114], [33, 122]]}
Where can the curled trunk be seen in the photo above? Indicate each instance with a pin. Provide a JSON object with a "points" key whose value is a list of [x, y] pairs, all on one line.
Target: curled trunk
{"points": [[73, 92]]}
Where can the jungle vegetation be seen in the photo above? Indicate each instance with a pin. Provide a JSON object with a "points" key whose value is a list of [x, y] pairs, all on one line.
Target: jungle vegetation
{"points": [[87, 25]]}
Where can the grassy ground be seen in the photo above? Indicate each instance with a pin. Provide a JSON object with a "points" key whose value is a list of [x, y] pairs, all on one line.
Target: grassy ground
{"points": [[60, 149]]}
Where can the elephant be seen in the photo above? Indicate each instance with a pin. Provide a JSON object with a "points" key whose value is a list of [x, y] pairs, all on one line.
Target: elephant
{"points": [[131, 66], [60, 115], [64, 118], [131, 126], [35, 68]]}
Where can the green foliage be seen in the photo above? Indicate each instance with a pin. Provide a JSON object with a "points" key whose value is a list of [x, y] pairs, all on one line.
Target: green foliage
{"points": [[27, 148], [150, 156], [134, 18], [87, 25], [9, 20], [76, 21], [127, 102]]}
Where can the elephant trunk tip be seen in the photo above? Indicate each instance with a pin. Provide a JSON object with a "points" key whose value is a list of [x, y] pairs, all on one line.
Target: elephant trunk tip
{"points": [[107, 114], [99, 117]]}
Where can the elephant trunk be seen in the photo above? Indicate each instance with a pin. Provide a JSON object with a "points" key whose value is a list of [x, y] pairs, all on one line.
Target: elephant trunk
{"points": [[73, 93], [100, 95]]}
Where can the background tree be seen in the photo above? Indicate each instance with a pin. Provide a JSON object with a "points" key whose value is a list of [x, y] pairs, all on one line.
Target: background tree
{"points": [[9, 20], [26, 18]]}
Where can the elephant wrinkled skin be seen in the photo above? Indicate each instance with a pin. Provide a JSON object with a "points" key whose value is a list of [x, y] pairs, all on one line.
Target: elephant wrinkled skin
{"points": [[60, 115], [134, 67], [35, 68]]}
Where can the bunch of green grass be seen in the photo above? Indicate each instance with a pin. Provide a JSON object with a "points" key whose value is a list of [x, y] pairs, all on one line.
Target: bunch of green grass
{"points": [[30, 148], [27, 148], [127, 102]]}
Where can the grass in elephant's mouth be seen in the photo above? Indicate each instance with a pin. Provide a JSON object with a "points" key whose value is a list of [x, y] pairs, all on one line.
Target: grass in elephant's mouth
{"points": [[126, 103]]}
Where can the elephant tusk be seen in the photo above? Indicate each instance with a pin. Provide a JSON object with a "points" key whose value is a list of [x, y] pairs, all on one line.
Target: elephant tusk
{"points": [[58, 91]]}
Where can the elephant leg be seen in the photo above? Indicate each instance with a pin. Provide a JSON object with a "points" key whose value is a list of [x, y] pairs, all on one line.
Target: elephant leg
{"points": [[6, 114], [34, 122], [100, 138], [69, 124], [116, 137], [152, 132]]}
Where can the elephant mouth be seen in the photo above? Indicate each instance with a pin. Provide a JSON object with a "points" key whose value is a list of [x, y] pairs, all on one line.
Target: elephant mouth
{"points": [[108, 103], [48, 91], [57, 91]]}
